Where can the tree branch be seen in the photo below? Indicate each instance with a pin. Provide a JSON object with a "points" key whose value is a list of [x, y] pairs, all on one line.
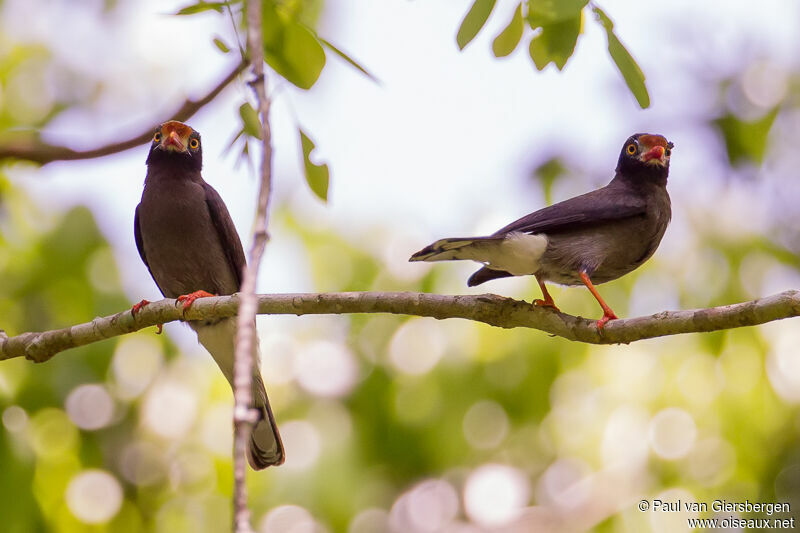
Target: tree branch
{"points": [[38, 151], [487, 308]]}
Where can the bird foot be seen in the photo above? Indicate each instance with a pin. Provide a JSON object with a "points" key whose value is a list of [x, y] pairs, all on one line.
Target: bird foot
{"points": [[608, 315], [546, 303], [188, 299], [138, 307]]}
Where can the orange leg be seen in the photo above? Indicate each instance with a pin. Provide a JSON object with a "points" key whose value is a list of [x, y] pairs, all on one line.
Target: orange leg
{"points": [[548, 300], [188, 299], [608, 314], [138, 307]]}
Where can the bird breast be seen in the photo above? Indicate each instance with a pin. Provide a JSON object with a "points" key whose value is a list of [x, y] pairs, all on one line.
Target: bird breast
{"points": [[181, 244]]}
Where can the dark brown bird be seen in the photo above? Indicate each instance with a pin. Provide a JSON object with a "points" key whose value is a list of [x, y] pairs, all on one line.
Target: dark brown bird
{"points": [[187, 240], [590, 239]]}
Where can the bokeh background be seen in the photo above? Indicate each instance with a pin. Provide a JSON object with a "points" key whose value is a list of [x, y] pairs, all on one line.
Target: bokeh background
{"points": [[395, 423]]}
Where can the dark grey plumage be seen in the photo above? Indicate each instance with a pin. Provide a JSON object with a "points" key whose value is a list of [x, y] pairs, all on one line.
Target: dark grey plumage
{"points": [[603, 234], [187, 240]]}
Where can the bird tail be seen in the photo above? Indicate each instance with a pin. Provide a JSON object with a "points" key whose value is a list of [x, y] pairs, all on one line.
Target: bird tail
{"points": [[485, 274], [455, 248], [266, 447]]}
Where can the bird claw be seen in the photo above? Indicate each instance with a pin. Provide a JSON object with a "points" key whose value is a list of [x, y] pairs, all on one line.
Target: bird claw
{"points": [[138, 307], [545, 303], [188, 299], [603, 321]]}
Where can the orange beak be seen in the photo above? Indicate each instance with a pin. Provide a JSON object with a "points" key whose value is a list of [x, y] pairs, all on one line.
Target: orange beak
{"points": [[172, 141], [655, 153]]}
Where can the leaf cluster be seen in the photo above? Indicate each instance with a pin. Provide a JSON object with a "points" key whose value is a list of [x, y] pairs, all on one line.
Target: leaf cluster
{"points": [[554, 27]]}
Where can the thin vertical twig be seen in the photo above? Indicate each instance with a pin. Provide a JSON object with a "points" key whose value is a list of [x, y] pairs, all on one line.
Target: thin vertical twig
{"points": [[243, 415], [235, 30]]}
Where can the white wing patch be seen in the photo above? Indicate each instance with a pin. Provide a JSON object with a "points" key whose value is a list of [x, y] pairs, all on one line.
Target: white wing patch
{"points": [[517, 254]]}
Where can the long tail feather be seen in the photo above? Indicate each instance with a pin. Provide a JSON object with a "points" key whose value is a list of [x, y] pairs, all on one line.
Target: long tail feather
{"points": [[452, 248], [266, 448]]}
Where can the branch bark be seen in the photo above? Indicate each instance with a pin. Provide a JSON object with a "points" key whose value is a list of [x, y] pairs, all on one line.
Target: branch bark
{"points": [[244, 416], [487, 308], [38, 151]]}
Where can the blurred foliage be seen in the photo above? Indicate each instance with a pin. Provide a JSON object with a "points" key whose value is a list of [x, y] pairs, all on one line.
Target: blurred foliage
{"points": [[555, 26], [746, 140], [291, 47], [508, 39], [295, 52], [473, 21], [25, 101], [627, 66], [317, 176], [56, 271], [547, 173], [399, 423]]}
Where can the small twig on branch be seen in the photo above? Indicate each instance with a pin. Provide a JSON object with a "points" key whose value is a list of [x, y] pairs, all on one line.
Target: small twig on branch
{"points": [[243, 415], [37, 151], [487, 308]]}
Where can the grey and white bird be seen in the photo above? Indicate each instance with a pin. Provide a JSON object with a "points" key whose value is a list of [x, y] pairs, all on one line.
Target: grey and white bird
{"points": [[589, 239], [187, 240]]}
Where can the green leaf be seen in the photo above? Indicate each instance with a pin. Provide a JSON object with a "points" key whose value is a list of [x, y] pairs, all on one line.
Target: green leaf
{"points": [[746, 140], [317, 176], [291, 48], [556, 42], [508, 39], [250, 122], [219, 43], [202, 6], [304, 54], [349, 59], [547, 173], [271, 27], [633, 75], [543, 12], [473, 21]]}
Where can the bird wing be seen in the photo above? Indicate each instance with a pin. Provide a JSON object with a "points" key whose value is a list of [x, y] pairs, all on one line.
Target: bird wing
{"points": [[226, 231], [603, 205], [137, 234]]}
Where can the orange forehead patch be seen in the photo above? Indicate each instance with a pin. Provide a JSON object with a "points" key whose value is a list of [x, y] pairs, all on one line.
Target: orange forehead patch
{"points": [[653, 140], [180, 128]]}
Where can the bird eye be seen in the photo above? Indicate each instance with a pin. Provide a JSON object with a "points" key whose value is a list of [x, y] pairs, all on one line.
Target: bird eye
{"points": [[193, 144], [631, 149], [157, 137], [667, 152]]}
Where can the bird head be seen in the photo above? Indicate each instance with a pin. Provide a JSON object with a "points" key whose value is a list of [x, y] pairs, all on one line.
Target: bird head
{"points": [[177, 143], [645, 155]]}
